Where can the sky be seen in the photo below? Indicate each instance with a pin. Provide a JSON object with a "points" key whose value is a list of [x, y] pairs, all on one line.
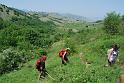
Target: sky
{"points": [[86, 8]]}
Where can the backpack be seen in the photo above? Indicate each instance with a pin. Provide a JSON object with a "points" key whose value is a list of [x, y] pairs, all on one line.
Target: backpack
{"points": [[62, 52], [38, 63]]}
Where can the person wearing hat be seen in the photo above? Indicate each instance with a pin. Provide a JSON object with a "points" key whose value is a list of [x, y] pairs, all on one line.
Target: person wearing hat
{"points": [[63, 54], [40, 64]]}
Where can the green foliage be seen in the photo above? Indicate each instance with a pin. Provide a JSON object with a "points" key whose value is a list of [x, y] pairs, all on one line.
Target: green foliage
{"points": [[11, 59], [123, 18], [16, 13], [7, 11], [122, 23], [23, 33], [2, 24], [14, 19], [58, 36], [1, 9], [90, 43], [29, 29], [4, 6], [76, 71], [8, 36], [112, 23], [70, 43], [32, 36]]}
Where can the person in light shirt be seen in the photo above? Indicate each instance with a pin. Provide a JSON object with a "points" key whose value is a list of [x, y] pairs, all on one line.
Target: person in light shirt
{"points": [[112, 54]]}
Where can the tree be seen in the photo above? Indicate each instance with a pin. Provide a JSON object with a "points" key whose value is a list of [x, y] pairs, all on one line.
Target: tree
{"points": [[122, 25], [7, 11], [1, 9], [2, 23], [123, 18], [112, 23]]}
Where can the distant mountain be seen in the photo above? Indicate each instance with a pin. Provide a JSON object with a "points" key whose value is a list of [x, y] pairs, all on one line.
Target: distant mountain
{"points": [[68, 16], [57, 18], [73, 17]]}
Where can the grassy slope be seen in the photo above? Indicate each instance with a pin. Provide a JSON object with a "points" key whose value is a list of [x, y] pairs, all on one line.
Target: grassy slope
{"points": [[77, 71], [11, 12]]}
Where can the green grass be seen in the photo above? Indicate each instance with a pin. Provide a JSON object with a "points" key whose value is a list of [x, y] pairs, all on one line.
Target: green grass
{"points": [[25, 75], [77, 71]]}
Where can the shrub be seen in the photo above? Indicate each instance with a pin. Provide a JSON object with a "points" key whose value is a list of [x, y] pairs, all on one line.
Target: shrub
{"points": [[112, 23], [122, 25], [70, 43], [1, 9], [32, 36], [8, 40], [7, 11], [2, 24], [16, 13], [11, 59]]}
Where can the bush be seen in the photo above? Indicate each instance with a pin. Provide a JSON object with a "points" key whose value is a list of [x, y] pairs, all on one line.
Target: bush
{"points": [[32, 36], [7, 11], [112, 23], [2, 24], [11, 59], [122, 23], [16, 13], [8, 40], [70, 43], [1, 9], [24, 45]]}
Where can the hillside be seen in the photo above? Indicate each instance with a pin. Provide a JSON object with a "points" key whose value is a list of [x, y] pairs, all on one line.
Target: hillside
{"points": [[21, 37], [58, 18], [21, 34], [91, 48], [7, 13]]}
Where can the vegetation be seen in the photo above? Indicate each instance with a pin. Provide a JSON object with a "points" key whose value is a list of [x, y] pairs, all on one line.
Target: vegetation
{"points": [[20, 37], [1, 9], [112, 23], [11, 59]]}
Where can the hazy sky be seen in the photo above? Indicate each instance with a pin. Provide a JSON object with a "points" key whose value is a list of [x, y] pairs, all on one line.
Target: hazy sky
{"points": [[87, 8]]}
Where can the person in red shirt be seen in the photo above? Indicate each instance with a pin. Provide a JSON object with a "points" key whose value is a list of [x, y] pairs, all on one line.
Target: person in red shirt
{"points": [[63, 54], [40, 66]]}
